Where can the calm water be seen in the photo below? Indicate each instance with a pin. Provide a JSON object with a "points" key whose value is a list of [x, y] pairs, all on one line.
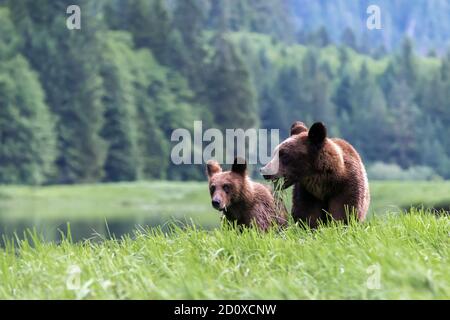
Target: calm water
{"points": [[102, 211], [95, 230]]}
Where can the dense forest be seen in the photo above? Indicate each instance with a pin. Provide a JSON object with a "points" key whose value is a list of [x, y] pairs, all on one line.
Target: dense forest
{"points": [[100, 103]]}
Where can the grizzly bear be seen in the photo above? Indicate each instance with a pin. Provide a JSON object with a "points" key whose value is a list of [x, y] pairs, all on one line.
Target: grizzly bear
{"points": [[241, 200], [328, 175]]}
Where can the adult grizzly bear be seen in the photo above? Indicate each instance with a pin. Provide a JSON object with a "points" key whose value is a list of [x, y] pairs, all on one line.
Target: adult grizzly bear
{"points": [[240, 199], [327, 173]]}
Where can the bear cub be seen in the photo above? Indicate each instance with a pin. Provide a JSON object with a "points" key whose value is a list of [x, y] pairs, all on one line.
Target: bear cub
{"points": [[328, 175], [241, 200]]}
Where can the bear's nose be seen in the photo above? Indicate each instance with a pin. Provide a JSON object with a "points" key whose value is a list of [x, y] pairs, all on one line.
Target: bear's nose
{"points": [[263, 170], [216, 203]]}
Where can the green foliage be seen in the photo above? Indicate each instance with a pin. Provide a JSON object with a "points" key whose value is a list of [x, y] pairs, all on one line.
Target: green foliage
{"points": [[365, 114], [139, 69], [230, 89], [427, 20], [163, 101], [145, 102], [380, 106], [147, 21], [27, 142], [67, 63], [268, 17], [119, 128]]}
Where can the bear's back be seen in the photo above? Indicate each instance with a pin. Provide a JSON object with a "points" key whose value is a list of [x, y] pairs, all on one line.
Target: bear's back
{"points": [[266, 207], [262, 193]]}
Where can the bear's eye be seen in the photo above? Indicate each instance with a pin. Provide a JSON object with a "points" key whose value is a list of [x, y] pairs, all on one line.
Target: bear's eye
{"points": [[212, 188], [226, 188]]}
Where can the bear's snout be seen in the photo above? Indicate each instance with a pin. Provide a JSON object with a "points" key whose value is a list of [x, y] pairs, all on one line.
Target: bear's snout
{"points": [[267, 173], [215, 203], [271, 169]]}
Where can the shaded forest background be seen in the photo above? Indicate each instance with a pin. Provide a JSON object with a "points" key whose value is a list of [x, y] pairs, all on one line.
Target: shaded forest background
{"points": [[100, 103]]}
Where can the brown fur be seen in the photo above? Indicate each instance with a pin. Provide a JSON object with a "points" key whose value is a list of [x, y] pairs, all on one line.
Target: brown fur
{"points": [[328, 175], [241, 200]]}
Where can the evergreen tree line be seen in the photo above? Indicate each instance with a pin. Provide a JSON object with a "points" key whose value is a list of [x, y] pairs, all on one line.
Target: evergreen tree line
{"points": [[394, 110], [100, 103]]}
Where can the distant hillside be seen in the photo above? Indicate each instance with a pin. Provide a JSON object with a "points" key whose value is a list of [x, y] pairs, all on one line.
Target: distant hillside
{"points": [[427, 22], [339, 21]]}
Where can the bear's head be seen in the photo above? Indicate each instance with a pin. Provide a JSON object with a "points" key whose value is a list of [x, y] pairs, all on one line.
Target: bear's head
{"points": [[304, 154], [226, 187]]}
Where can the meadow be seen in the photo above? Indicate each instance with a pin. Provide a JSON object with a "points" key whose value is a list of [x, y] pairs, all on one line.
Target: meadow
{"points": [[162, 240]]}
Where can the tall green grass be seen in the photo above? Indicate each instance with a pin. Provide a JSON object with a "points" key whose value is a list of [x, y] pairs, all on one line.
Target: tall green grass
{"points": [[410, 251]]}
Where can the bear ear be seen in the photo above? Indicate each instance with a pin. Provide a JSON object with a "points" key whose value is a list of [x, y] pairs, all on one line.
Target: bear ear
{"points": [[239, 166], [212, 167], [317, 133], [298, 127]]}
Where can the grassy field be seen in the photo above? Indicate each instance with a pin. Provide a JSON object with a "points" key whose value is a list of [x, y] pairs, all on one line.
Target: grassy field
{"points": [[408, 253]]}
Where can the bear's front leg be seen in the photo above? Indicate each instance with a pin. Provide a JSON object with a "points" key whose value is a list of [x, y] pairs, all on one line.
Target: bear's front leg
{"points": [[305, 207], [341, 207]]}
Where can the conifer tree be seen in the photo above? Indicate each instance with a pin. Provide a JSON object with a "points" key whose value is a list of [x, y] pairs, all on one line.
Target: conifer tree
{"points": [[119, 129], [67, 62], [231, 93], [27, 143]]}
